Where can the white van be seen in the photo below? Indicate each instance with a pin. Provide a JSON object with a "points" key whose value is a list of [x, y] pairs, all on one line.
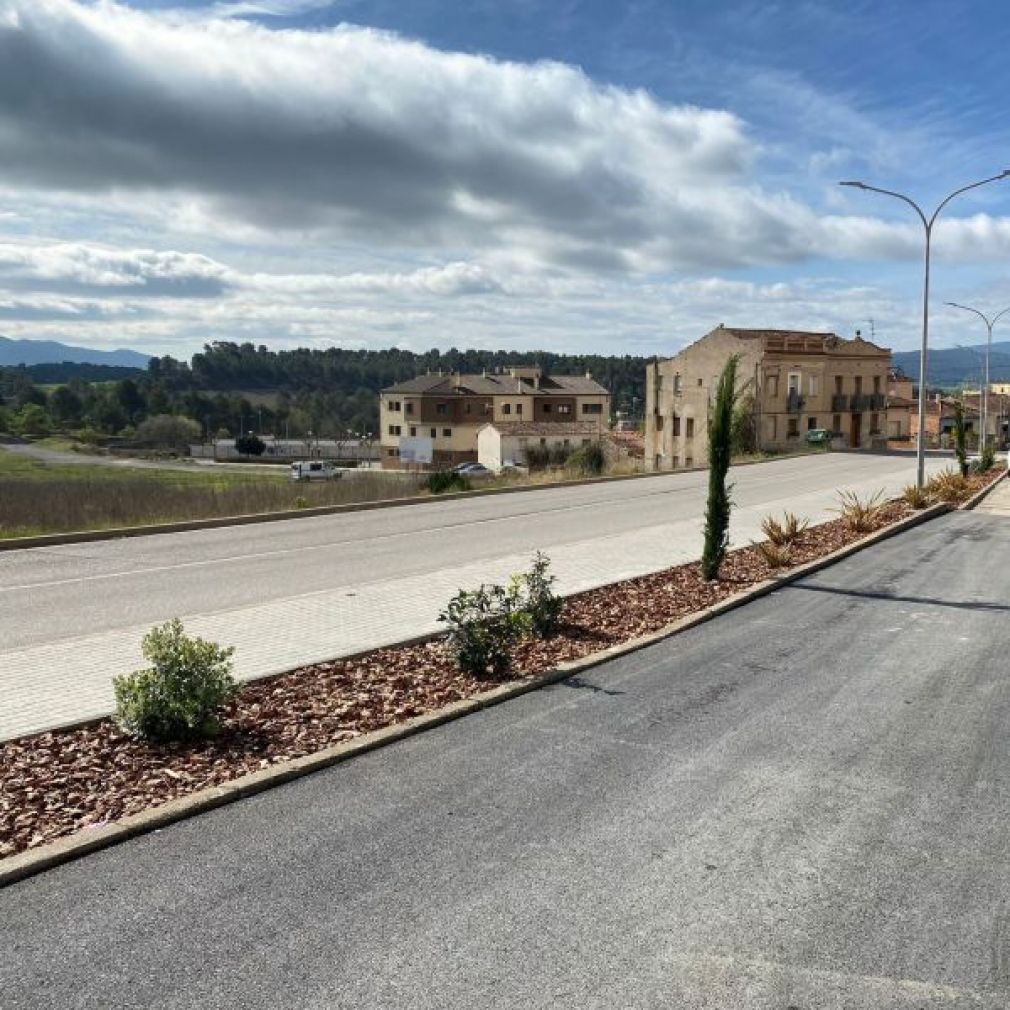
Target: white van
{"points": [[314, 469]]}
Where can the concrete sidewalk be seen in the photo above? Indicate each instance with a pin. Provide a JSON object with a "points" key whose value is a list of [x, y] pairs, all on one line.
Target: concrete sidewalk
{"points": [[997, 503]]}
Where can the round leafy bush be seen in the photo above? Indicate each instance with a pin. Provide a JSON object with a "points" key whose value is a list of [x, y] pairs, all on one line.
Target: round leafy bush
{"points": [[180, 696]]}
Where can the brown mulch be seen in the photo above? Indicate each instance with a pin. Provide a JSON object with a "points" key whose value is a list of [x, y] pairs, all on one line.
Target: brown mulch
{"points": [[58, 783]]}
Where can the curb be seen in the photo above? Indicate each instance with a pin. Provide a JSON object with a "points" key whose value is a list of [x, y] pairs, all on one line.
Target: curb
{"points": [[189, 525], [64, 850], [980, 496]]}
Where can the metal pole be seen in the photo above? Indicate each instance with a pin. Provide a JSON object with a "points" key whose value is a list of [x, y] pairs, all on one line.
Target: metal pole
{"points": [[920, 451], [920, 445]]}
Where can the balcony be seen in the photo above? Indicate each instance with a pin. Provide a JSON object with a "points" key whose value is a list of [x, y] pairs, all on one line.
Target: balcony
{"points": [[877, 401], [839, 403], [859, 402], [794, 402]]}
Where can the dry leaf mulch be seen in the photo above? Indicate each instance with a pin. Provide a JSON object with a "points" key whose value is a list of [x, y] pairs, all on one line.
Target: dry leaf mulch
{"points": [[65, 781]]}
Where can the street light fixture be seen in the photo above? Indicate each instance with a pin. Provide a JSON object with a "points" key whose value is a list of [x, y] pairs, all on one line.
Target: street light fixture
{"points": [[927, 223], [989, 323]]}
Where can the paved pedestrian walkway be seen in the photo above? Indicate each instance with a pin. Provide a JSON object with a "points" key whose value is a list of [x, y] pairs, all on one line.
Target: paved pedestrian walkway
{"points": [[997, 503]]}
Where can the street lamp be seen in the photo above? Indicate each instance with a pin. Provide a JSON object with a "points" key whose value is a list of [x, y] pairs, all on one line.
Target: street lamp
{"points": [[927, 223], [989, 323]]}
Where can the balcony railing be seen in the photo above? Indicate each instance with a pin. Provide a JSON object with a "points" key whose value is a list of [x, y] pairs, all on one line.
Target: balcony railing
{"points": [[877, 401], [839, 402], [794, 402], [859, 401]]}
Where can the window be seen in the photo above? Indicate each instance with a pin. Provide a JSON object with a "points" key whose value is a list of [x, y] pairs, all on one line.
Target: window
{"points": [[793, 430], [699, 382], [441, 408], [689, 427], [587, 441], [811, 423], [795, 378], [519, 408], [659, 422], [676, 384], [688, 461], [676, 425], [836, 424], [773, 386], [566, 408], [394, 429], [876, 381], [547, 408], [393, 405], [506, 408], [447, 433], [413, 431], [434, 432], [487, 407], [467, 408], [813, 385], [859, 385], [390, 452], [839, 382], [593, 408], [543, 441], [408, 408]]}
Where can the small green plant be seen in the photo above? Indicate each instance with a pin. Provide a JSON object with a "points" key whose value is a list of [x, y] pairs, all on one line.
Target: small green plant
{"points": [[181, 695], [442, 481], [301, 502], [960, 450], [775, 555], [587, 461], [720, 448], [483, 625], [915, 496], [533, 595], [783, 533], [948, 486], [860, 515], [986, 458]]}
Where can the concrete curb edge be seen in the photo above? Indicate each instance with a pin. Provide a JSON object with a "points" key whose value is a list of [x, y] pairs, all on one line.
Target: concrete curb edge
{"points": [[33, 861], [980, 496]]}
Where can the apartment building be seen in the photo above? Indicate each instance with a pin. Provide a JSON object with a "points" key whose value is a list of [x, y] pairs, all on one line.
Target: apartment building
{"points": [[433, 420], [792, 382]]}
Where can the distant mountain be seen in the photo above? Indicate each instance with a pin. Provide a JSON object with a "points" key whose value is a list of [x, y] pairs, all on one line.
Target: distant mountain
{"points": [[41, 352], [958, 366]]}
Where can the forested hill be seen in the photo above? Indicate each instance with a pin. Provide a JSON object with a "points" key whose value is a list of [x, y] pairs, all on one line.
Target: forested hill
{"points": [[229, 388]]}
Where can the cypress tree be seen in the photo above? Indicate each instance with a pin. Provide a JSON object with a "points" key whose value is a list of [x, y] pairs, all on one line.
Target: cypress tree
{"points": [[720, 445], [960, 449]]}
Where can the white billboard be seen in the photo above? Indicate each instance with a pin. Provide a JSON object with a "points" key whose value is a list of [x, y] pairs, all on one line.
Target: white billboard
{"points": [[416, 449]]}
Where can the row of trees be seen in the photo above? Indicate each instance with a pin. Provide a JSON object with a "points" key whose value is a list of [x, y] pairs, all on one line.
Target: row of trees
{"points": [[229, 389]]}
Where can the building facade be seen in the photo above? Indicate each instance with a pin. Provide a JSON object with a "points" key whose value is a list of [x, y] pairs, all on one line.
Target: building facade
{"points": [[792, 382], [446, 411], [502, 443]]}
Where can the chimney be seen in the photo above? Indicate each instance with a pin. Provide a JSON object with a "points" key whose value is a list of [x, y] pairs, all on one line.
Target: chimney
{"points": [[589, 374], [859, 334]]}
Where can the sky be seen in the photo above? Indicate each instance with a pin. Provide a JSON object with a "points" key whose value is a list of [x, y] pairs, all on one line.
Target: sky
{"points": [[581, 176]]}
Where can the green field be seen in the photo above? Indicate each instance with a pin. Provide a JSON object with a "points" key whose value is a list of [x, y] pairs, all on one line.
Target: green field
{"points": [[40, 497]]}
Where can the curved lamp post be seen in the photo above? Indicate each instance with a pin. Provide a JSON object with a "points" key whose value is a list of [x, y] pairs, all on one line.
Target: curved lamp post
{"points": [[989, 323], [927, 223]]}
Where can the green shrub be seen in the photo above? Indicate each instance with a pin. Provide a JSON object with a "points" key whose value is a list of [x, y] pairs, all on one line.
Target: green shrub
{"points": [[948, 486], [250, 445], [860, 514], [442, 481], [781, 534], [587, 461], [181, 694], [540, 457], [533, 595], [483, 625], [775, 555], [915, 496], [986, 458]]}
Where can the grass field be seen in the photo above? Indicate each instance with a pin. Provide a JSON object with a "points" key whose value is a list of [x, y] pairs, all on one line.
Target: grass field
{"points": [[37, 497]]}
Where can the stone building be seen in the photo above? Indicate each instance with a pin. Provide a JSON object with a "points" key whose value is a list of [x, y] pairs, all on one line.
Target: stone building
{"points": [[791, 383], [444, 413]]}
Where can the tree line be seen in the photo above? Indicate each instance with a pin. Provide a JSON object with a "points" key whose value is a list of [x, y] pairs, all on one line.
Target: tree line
{"points": [[229, 389]]}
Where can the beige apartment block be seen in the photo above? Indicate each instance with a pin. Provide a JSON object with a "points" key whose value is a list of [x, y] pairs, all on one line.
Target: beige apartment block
{"points": [[793, 382], [450, 409]]}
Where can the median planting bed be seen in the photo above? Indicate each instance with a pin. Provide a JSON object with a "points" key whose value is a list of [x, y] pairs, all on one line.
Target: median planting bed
{"points": [[58, 783]]}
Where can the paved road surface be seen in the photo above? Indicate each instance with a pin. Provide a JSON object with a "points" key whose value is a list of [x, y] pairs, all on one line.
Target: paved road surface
{"points": [[801, 804], [295, 592]]}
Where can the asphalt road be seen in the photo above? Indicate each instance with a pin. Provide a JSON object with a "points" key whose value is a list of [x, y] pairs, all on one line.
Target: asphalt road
{"points": [[55, 593], [802, 804]]}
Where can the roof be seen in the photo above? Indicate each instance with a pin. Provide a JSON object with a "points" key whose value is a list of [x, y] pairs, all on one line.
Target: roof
{"points": [[499, 385], [901, 401], [523, 428], [808, 340]]}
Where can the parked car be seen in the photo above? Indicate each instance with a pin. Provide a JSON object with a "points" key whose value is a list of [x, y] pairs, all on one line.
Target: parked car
{"points": [[471, 469], [511, 467], [314, 469], [819, 436]]}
